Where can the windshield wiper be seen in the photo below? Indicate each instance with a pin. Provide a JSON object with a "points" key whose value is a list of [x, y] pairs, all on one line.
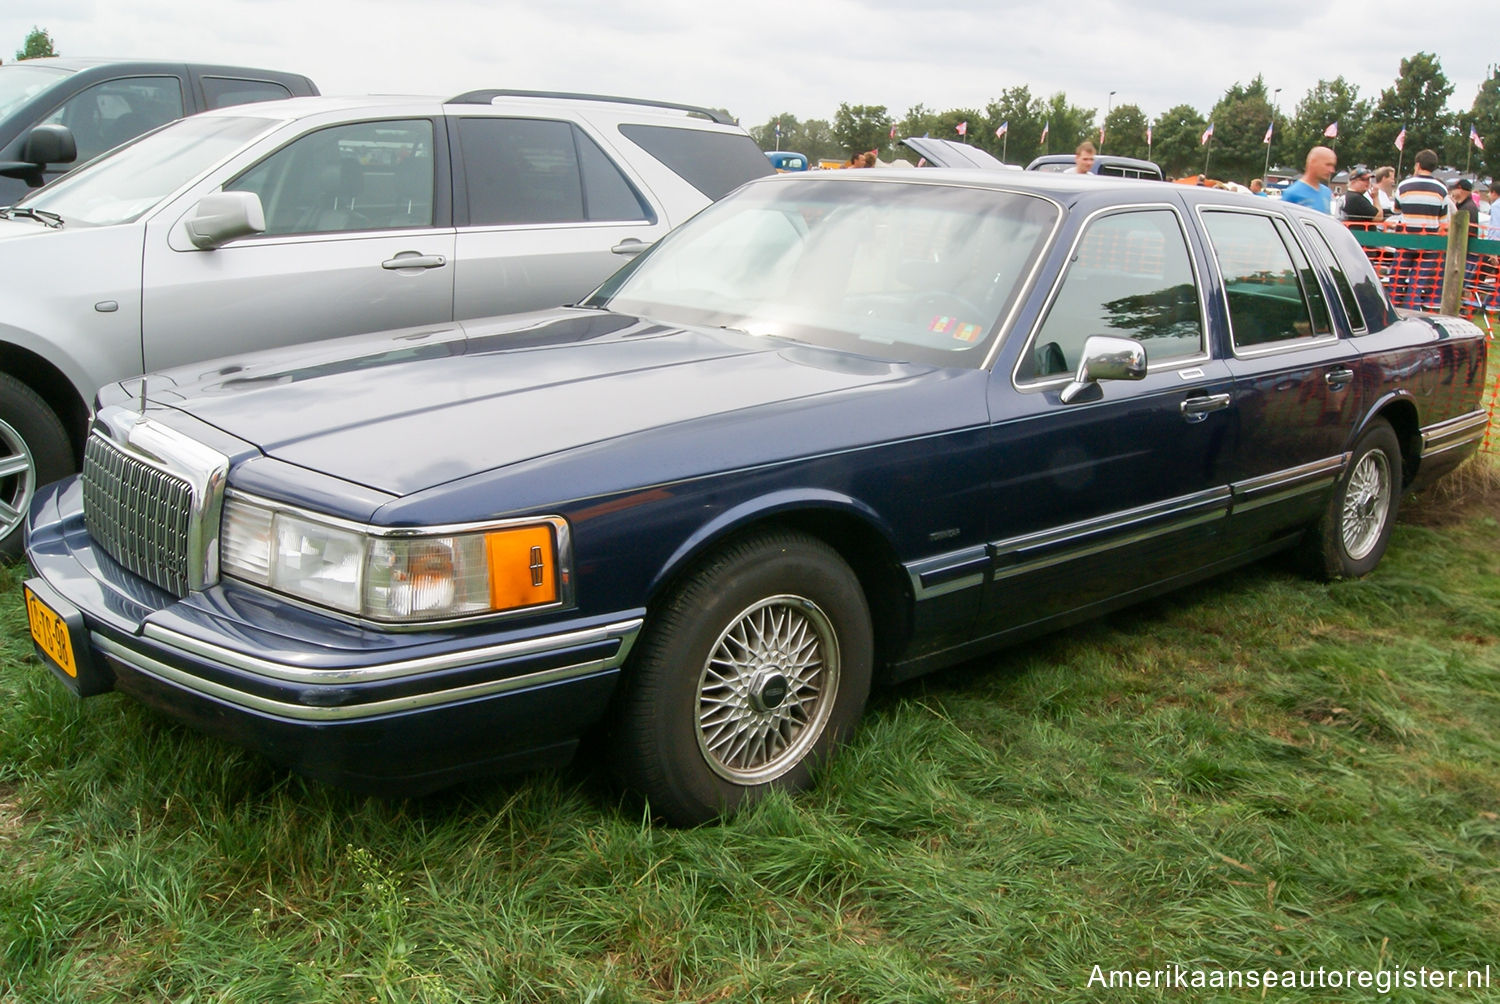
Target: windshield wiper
{"points": [[43, 217]]}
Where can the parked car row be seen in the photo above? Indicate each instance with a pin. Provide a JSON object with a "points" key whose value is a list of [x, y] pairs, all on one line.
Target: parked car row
{"points": [[839, 428], [263, 225]]}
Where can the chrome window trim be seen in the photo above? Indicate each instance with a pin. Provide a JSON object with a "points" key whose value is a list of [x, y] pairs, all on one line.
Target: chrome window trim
{"points": [[930, 577], [1180, 513], [299, 712], [562, 534], [1274, 348], [1331, 262], [625, 631], [204, 469], [1454, 433], [1205, 355], [1253, 493]]}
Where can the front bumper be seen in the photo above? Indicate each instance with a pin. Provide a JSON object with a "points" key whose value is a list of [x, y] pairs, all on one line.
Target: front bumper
{"points": [[381, 711]]}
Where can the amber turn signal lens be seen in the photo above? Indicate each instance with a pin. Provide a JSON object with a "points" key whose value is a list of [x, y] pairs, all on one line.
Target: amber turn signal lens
{"points": [[523, 567]]}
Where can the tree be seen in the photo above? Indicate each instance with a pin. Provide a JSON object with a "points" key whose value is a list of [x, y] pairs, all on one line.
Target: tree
{"points": [[862, 127], [1417, 102], [812, 137], [1328, 102], [1068, 125], [1177, 136], [1021, 114], [37, 45], [1125, 131], [1240, 118], [1484, 117]]}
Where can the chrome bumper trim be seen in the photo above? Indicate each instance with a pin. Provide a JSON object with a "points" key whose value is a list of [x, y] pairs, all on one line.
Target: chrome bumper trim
{"points": [[1454, 433]]}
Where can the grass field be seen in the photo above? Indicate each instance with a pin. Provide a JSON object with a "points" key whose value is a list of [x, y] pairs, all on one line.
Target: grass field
{"points": [[1261, 772]]}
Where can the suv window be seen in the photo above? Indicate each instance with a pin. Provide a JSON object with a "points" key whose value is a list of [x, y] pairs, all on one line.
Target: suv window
{"points": [[541, 171], [108, 114], [1131, 277], [222, 92], [715, 163], [1267, 303], [363, 176]]}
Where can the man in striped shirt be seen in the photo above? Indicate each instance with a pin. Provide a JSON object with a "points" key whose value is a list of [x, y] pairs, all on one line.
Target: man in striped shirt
{"points": [[1422, 199]]}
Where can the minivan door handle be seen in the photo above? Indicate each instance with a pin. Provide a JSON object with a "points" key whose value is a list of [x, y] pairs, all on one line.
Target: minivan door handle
{"points": [[414, 259]]}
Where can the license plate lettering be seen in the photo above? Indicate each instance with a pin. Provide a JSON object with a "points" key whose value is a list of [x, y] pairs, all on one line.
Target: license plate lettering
{"points": [[50, 632]]}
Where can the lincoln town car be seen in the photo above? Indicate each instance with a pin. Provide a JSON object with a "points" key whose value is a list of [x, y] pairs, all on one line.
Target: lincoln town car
{"points": [[837, 430]]}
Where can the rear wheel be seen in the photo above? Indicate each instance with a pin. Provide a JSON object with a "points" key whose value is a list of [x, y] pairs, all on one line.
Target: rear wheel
{"points": [[749, 675], [34, 450], [1352, 536]]}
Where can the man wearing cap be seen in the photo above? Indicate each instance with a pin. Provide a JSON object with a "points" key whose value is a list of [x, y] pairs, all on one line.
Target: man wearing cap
{"points": [[1462, 194], [1357, 205]]}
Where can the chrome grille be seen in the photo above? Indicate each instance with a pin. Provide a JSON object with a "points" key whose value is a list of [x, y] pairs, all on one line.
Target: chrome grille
{"points": [[138, 514]]}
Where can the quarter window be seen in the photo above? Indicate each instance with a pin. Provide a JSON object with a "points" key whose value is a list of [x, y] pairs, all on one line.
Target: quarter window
{"points": [[108, 114], [1340, 280], [1266, 298], [539, 171], [363, 176], [1130, 277], [222, 92]]}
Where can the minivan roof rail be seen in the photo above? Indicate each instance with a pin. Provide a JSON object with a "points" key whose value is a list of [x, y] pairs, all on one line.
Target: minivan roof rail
{"points": [[485, 97]]}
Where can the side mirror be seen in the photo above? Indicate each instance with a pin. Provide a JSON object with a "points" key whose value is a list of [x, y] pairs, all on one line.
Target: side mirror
{"points": [[45, 144], [1106, 358], [219, 218]]}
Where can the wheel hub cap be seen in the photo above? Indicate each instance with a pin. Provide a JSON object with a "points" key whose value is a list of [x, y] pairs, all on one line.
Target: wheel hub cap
{"points": [[1367, 499]]}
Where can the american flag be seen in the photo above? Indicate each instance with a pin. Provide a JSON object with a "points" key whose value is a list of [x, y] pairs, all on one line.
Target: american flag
{"points": [[1474, 138], [1268, 132], [1002, 128], [893, 130], [1332, 131], [1208, 134], [1046, 126], [963, 128], [1401, 139]]}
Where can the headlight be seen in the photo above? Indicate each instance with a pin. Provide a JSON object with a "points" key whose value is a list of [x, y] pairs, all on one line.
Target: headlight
{"points": [[415, 577]]}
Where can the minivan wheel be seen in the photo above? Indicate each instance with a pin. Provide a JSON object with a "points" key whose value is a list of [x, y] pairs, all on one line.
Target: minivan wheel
{"points": [[34, 450]]}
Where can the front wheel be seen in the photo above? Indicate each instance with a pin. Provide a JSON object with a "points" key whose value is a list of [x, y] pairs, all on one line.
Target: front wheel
{"points": [[750, 674], [34, 450], [1351, 538]]}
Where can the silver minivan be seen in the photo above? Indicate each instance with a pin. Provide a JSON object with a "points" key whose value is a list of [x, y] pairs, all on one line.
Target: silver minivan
{"points": [[269, 224]]}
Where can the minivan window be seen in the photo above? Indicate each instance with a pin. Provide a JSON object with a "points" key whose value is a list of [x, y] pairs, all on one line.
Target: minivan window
{"points": [[129, 182], [19, 84], [222, 92], [715, 163]]}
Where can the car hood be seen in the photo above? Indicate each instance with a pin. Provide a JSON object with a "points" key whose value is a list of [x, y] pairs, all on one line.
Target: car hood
{"points": [[404, 411]]}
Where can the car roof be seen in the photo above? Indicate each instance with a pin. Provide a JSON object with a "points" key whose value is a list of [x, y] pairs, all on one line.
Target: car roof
{"points": [[73, 64]]}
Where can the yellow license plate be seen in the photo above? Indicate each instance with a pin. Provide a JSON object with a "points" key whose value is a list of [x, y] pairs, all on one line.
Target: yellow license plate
{"points": [[50, 632]]}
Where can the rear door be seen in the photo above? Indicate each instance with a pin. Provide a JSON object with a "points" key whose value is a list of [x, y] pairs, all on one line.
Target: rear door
{"points": [[544, 214], [358, 238]]}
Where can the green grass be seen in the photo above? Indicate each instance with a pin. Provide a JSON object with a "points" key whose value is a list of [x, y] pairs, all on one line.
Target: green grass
{"points": [[1258, 772]]}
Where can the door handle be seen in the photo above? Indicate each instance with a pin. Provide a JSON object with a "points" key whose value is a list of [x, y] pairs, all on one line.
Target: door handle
{"points": [[414, 259], [1338, 379], [1196, 409], [630, 246]]}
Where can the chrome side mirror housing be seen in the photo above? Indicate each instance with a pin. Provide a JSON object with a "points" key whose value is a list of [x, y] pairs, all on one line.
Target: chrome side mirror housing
{"points": [[1106, 357], [219, 218]]}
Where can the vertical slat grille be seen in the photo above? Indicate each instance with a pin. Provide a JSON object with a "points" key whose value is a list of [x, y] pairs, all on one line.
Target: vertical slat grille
{"points": [[137, 514]]}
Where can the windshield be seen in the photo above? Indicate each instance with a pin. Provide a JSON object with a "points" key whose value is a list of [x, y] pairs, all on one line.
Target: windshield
{"points": [[19, 84], [908, 271], [126, 183]]}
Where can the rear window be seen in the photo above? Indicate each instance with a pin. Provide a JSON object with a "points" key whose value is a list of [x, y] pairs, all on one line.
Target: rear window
{"points": [[223, 92], [715, 163]]}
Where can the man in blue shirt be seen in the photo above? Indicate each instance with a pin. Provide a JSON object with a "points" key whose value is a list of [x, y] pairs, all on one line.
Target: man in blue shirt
{"points": [[1311, 190]]}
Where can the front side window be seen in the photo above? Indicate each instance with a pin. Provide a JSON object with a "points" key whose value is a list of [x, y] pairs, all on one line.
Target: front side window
{"points": [[111, 113], [1266, 299], [899, 271], [530, 171], [361, 176], [1130, 277]]}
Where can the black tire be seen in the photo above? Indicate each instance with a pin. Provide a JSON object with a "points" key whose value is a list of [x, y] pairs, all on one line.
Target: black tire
{"points": [[1351, 538], [34, 451], [794, 613]]}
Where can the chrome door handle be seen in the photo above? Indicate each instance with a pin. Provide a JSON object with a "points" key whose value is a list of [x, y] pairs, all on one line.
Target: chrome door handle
{"points": [[630, 246], [1339, 378], [413, 259], [1196, 409]]}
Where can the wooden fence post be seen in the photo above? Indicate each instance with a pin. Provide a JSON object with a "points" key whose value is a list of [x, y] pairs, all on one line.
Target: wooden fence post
{"points": [[1453, 264]]}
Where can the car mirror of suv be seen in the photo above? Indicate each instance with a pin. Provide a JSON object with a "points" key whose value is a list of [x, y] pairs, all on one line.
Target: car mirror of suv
{"points": [[220, 218], [45, 144], [1106, 357]]}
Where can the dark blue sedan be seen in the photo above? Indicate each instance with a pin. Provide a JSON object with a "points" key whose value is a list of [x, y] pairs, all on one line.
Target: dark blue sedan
{"points": [[839, 428]]}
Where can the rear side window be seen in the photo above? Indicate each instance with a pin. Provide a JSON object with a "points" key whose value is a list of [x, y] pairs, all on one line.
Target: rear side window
{"points": [[1340, 280], [1130, 277], [521, 171], [222, 92], [715, 163], [1261, 282]]}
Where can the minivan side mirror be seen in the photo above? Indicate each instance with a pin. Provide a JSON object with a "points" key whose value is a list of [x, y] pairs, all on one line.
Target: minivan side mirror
{"points": [[1106, 357], [46, 144], [221, 217]]}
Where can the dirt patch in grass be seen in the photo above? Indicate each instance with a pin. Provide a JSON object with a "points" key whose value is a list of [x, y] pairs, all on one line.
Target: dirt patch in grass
{"points": [[11, 817], [1469, 491]]}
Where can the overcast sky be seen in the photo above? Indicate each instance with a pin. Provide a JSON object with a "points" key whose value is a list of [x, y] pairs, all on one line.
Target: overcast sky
{"points": [[775, 56]]}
